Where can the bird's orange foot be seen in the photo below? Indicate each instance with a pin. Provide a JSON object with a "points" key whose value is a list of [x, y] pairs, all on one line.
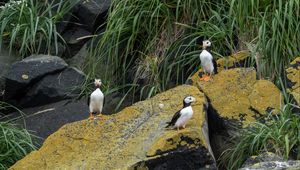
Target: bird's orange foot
{"points": [[91, 116], [204, 77], [207, 78]]}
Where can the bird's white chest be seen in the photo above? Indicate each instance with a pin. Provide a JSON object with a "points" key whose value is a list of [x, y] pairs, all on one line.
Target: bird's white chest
{"points": [[96, 101], [97, 95], [186, 114], [206, 61]]}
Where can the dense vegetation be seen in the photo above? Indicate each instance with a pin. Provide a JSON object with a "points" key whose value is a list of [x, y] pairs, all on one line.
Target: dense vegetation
{"points": [[15, 142], [156, 41], [29, 27], [280, 135]]}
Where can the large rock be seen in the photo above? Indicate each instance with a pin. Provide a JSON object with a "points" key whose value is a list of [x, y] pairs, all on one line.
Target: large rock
{"points": [[92, 13], [236, 99], [237, 96], [75, 38], [263, 157], [134, 138], [79, 60], [293, 76], [73, 35], [269, 161], [54, 87], [44, 120], [24, 73], [274, 165]]}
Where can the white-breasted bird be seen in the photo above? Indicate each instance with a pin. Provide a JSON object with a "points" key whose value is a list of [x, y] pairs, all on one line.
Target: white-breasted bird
{"points": [[209, 65], [181, 117], [96, 100]]}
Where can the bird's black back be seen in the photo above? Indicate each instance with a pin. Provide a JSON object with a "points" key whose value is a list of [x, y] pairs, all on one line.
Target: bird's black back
{"points": [[215, 66], [174, 119]]}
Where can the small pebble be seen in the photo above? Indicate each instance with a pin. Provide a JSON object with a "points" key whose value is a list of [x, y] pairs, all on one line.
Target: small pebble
{"points": [[25, 76], [161, 106]]}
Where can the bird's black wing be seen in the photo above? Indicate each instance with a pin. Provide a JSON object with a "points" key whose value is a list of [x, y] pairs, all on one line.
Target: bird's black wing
{"points": [[174, 119], [103, 102], [215, 66], [88, 101]]}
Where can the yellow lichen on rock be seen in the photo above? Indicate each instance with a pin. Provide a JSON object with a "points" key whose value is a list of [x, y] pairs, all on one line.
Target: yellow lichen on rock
{"points": [[265, 95], [236, 95], [235, 60], [120, 141], [293, 75]]}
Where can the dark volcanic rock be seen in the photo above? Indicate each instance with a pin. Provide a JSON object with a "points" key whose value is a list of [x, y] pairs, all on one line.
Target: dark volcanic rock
{"points": [[54, 87], [6, 59], [73, 40], [71, 37], [44, 120], [24, 73], [91, 12], [53, 51], [185, 159]]}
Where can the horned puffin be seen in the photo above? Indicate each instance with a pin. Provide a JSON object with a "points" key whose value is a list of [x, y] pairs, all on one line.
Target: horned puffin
{"points": [[209, 65], [181, 117], [96, 100]]}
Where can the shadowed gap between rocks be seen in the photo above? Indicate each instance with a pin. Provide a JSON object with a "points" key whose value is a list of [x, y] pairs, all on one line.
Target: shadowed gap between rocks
{"points": [[188, 160], [218, 134]]}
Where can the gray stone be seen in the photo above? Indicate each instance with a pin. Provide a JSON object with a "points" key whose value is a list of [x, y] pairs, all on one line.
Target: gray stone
{"points": [[79, 59], [73, 35], [53, 51], [75, 39], [274, 165], [45, 120], [25, 73], [6, 59], [263, 157], [89, 11], [269, 161], [54, 87]]}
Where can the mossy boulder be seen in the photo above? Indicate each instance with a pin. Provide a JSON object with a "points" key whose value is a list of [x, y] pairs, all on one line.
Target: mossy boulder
{"points": [[134, 138], [236, 98], [293, 76], [236, 95]]}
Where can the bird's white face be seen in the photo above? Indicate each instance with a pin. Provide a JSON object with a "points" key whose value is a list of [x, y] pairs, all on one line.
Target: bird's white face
{"points": [[189, 99], [97, 82], [206, 44]]}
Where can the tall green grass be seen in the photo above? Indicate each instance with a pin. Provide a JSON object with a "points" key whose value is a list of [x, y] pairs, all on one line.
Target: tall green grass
{"points": [[29, 27], [153, 44], [280, 134], [15, 142]]}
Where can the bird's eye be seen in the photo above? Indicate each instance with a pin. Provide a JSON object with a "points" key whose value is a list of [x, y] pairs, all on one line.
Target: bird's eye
{"points": [[207, 42]]}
